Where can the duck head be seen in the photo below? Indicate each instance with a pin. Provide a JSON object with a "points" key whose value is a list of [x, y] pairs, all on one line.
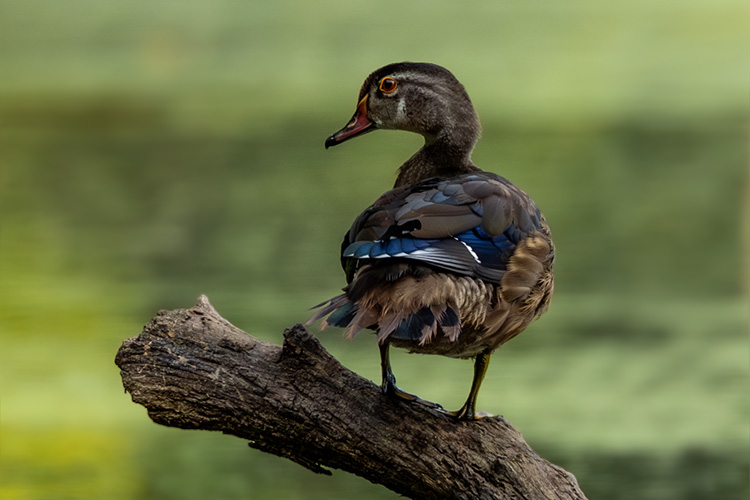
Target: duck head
{"points": [[416, 97]]}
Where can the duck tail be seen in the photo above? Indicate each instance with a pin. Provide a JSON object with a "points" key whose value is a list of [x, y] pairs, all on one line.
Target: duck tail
{"points": [[422, 325], [339, 309]]}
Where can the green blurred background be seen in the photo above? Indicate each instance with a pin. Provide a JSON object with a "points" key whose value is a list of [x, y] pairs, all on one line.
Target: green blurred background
{"points": [[154, 151]]}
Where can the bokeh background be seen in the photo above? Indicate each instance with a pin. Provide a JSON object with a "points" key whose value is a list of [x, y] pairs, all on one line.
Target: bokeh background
{"points": [[154, 151]]}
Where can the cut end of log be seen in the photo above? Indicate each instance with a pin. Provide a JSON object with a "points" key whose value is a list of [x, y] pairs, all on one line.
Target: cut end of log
{"points": [[299, 340]]}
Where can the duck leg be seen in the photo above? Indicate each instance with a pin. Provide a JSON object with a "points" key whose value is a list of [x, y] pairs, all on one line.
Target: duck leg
{"points": [[468, 410], [389, 381]]}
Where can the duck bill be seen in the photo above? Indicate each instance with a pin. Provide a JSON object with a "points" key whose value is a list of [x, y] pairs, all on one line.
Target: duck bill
{"points": [[358, 125]]}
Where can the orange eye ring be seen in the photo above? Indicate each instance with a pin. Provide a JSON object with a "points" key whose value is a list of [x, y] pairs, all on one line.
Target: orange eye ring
{"points": [[387, 85]]}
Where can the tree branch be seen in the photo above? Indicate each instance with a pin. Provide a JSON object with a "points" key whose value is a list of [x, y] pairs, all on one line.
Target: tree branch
{"points": [[193, 369]]}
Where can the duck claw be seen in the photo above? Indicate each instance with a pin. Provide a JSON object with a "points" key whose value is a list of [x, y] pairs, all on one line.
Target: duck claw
{"points": [[391, 389], [464, 415]]}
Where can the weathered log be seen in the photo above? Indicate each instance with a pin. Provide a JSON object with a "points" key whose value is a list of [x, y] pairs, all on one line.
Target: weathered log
{"points": [[193, 369]]}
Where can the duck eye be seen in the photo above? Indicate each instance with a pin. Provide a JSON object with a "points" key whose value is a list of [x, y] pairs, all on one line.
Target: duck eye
{"points": [[387, 85]]}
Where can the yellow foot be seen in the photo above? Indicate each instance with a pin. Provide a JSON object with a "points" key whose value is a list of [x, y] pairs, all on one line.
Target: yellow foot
{"points": [[392, 390], [464, 414]]}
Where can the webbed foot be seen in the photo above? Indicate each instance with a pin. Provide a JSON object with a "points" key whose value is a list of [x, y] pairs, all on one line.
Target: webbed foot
{"points": [[469, 415], [390, 388]]}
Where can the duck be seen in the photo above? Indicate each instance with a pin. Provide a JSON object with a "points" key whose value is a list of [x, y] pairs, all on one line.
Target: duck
{"points": [[453, 260]]}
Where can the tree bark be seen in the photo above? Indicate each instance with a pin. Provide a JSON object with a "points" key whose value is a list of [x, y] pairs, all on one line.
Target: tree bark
{"points": [[193, 369]]}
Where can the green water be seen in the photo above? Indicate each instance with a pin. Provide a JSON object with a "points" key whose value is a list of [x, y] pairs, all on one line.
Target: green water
{"points": [[153, 152]]}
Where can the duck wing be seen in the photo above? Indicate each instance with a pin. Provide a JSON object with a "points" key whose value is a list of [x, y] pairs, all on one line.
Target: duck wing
{"points": [[468, 225]]}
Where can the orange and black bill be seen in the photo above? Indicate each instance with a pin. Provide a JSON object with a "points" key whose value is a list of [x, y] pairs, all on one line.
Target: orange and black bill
{"points": [[358, 125]]}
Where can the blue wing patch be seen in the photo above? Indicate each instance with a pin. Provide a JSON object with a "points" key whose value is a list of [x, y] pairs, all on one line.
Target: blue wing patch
{"points": [[472, 253], [490, 252], [395, 247]]}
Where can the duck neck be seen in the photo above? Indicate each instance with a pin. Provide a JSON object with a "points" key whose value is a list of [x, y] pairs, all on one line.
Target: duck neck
{"points": [[443, 155]]}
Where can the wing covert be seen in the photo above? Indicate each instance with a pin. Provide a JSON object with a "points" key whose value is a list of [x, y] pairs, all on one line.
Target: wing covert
{"points": [[469, 225]]}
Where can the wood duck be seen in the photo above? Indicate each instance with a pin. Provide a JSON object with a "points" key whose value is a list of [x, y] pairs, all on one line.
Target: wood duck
{"points": [[453, 260]]}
